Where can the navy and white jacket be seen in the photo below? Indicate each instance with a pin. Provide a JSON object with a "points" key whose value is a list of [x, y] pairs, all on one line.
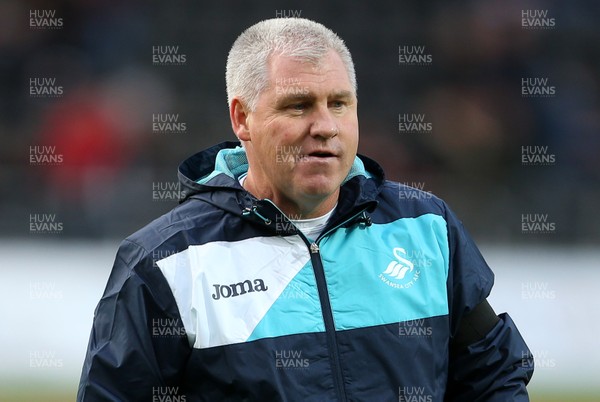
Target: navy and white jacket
{"points": [[224, 299]]}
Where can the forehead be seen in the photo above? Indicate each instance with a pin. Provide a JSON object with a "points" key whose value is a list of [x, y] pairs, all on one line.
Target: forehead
{"points": [[289, 70]]}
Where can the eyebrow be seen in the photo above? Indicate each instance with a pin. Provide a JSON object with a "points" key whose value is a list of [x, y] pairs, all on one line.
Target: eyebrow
{"points": [[290, 98], [342, 94]]}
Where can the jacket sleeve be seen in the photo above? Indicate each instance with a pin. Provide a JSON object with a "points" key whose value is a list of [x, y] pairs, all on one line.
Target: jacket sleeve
{"points": [[137, 344], [498, 365], [495, 368]]}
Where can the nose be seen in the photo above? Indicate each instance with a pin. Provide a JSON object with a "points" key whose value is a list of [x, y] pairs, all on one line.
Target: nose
{"points": [[324, 124]]}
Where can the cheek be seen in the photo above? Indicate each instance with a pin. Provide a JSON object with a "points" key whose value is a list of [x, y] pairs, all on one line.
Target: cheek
{"points": [[351, 142], [351, 138], [263, 143]]}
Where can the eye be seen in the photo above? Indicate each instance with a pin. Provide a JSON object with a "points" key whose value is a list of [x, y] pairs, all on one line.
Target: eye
{"points": [[338, 104], [298, 106]]}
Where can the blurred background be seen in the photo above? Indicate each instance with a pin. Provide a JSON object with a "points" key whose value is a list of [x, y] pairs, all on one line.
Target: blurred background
{"points": [[491, 105]]}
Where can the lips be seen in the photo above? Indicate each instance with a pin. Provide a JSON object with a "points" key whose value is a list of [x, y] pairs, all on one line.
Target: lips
{"points": [[320, 157], [322, 154]]}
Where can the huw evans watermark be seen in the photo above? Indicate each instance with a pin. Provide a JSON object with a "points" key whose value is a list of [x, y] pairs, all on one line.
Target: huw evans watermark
{"points": [[414, 123], [168, 123], [536, 155], [537, 291], [418, 258], [537, 87], [414, 394], [158, 255], [414, 55], [290, 359], [44, 155], [415, 328], [45, 87], [412, 194], [44, 359], [166, 191], [167, 394], [290, 86], [537, 19], [44, 290], [287, 223], [44, 19], [285, 154], [541, 359], [288, 13], [45, 224], [537, 224], [167, 327], [169, 55]]}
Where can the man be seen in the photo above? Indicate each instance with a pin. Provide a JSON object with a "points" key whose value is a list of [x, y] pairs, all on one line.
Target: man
{"points": [[293, 270]]}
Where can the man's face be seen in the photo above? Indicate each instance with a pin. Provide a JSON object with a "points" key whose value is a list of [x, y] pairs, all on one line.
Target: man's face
{"points": [[304, 130]]}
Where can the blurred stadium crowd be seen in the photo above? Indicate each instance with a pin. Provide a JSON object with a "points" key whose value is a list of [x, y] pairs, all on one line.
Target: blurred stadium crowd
{"points": [[470, 92]]}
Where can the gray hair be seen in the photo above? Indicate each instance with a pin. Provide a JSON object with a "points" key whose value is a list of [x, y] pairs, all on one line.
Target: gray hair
{"points": [[247, 64]]}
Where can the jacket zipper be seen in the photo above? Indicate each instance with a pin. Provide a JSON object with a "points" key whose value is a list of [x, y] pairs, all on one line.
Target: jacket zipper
{"points": [[334, 354], [315, 257]]}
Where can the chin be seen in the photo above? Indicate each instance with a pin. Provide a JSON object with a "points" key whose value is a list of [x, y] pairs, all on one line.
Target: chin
{"points": [[318, 189]]}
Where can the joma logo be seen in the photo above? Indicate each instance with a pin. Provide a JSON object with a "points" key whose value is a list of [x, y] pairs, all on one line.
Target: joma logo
{"points": [[238, 289]]}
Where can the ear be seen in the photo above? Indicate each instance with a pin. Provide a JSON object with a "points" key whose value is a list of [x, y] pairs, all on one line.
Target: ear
{"points": [[238, 113]]}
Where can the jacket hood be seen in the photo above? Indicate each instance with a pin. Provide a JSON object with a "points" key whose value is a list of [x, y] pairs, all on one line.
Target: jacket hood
{"points": [[218, 168]]}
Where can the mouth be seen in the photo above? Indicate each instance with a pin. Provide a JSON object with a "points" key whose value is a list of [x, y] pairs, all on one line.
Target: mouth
{"points": [[322, 154]]}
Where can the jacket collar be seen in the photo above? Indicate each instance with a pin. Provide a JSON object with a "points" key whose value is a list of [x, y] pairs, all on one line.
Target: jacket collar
{"points": [[216, 171]]}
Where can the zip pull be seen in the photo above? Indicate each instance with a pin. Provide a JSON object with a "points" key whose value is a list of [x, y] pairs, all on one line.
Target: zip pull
{"points": [[253, 211], [364, 219], [314, 248]]}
